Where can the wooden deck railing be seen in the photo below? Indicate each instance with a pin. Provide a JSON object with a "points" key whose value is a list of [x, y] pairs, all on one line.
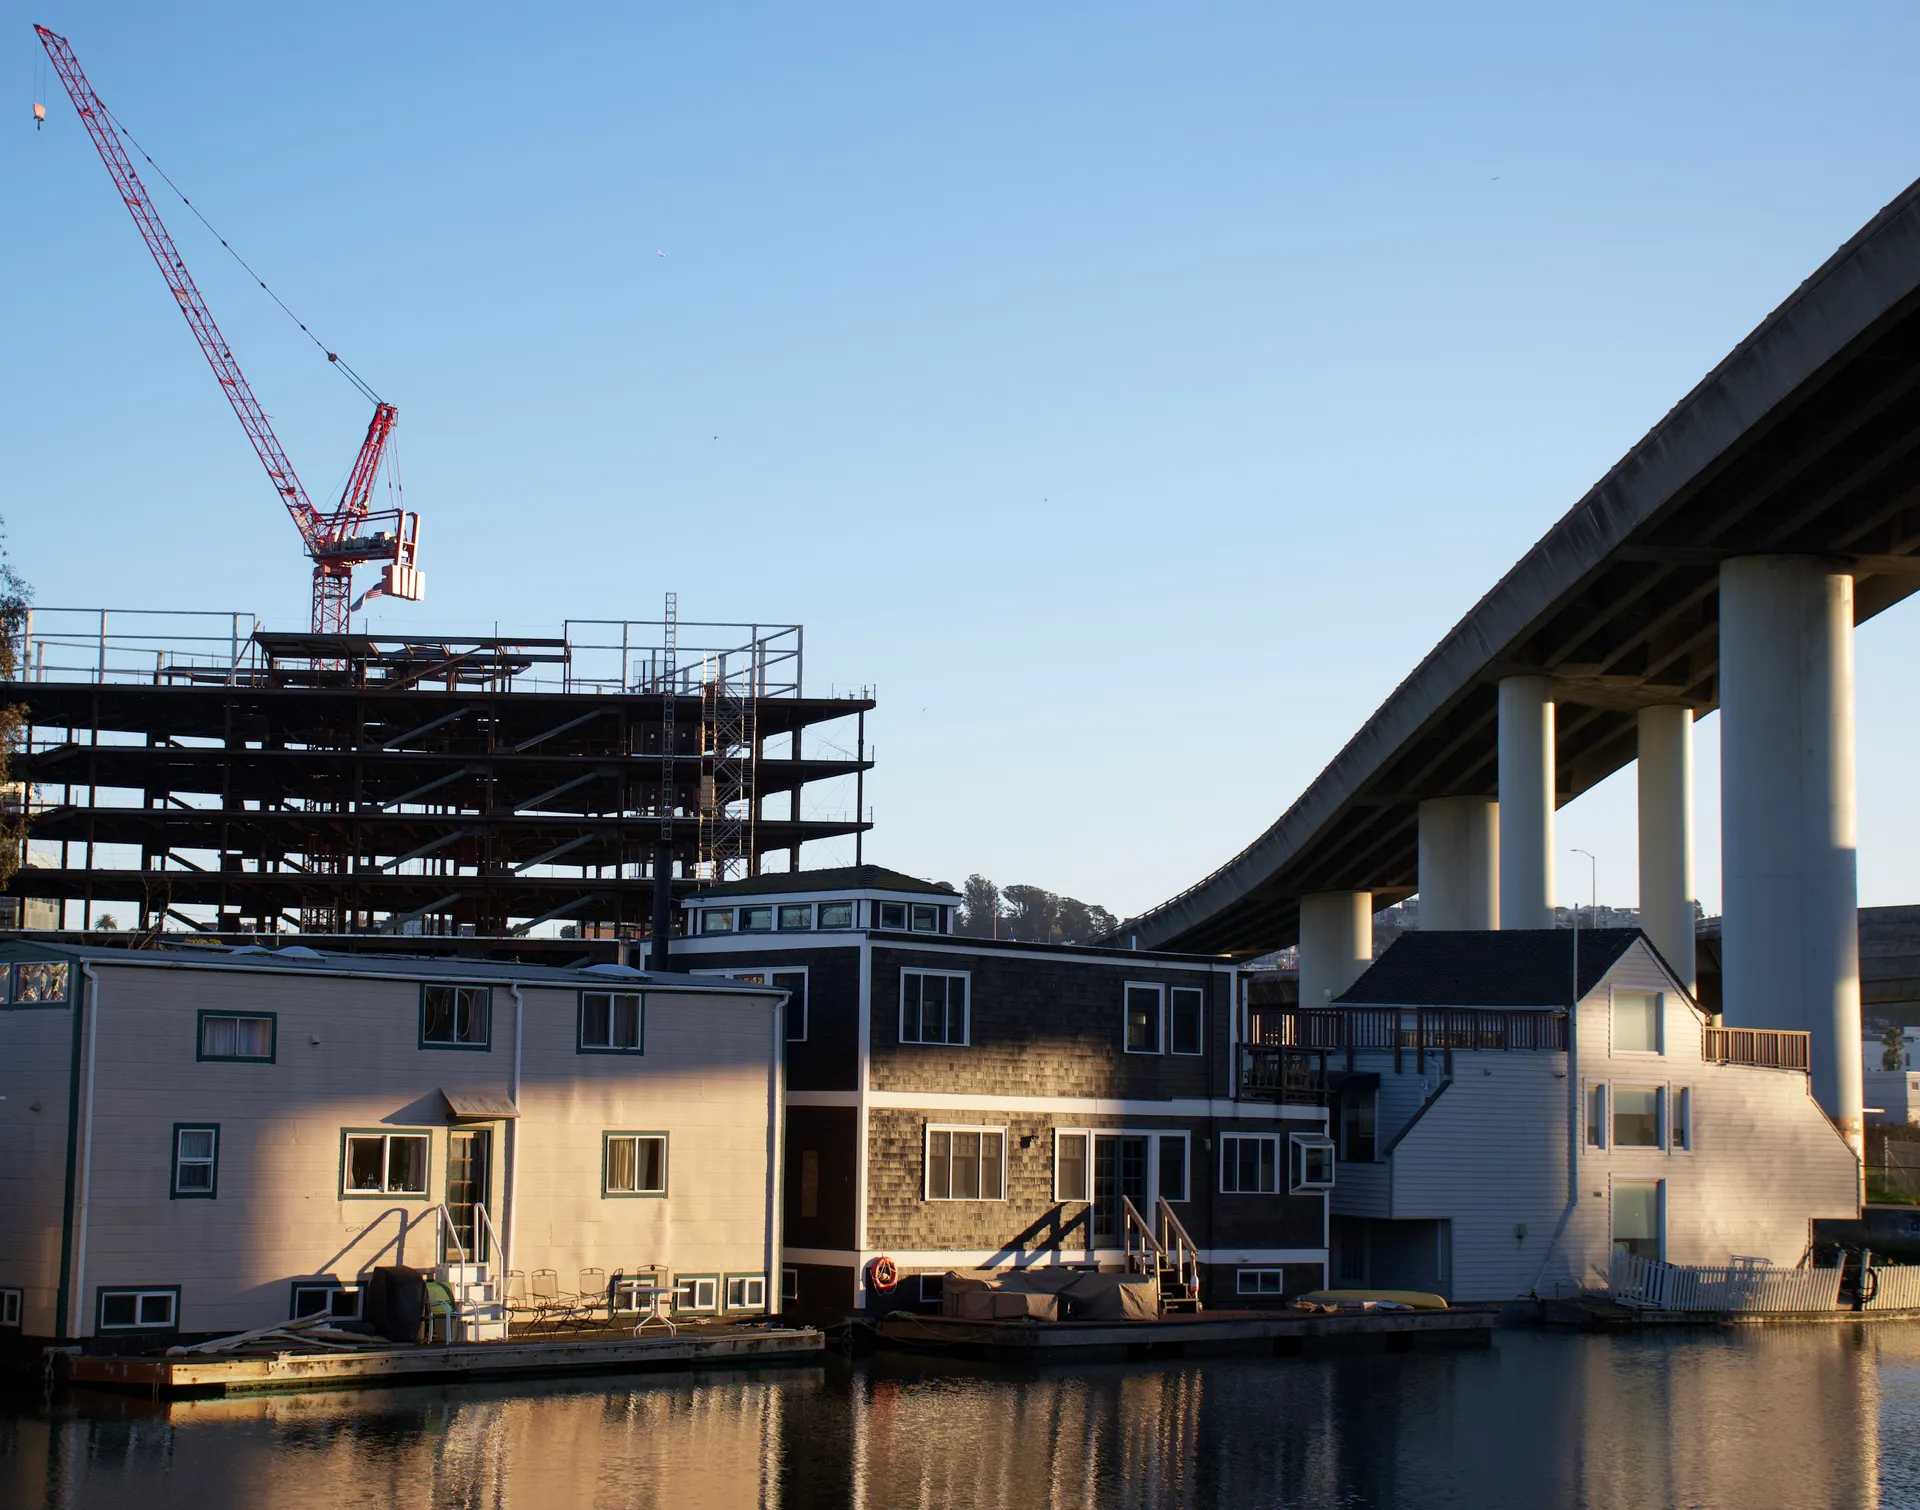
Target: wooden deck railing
{"points": [[1765, 1048], [1410, 1032], [1271, 1072]]}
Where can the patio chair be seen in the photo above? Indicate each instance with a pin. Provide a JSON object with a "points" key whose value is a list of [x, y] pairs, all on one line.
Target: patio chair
{"points": [[551, 1307], [593, 1295]]}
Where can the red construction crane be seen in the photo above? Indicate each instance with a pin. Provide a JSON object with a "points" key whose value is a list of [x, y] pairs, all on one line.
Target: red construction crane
{"points": [[338, 541]]}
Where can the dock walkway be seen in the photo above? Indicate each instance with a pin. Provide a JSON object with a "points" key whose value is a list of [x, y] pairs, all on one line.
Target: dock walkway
{"points": [[208, 1374]]}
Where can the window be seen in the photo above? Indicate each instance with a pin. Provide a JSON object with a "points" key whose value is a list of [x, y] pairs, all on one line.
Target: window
{"points": [[836, 914], [716, 920], [1070, 1166], [612, 1022], [1173, 1166], [696, 1292], [9, 1308], [382, 1163], [1257, 1281], [324, 1297], [455, 1017], [1357, 1112], [933, 1007], [1636, 1217], [756, 920], [796, 918], [746, 1292], [1249, 1164], [1143, 1020], [933, 1288], [1597, 1116], [926, 919], [196, 1154], [140, 1310], [40, 983], [636, 1164], [1682, 1119], [1636, 1022], [893, 915], [1310, 1162], [226, 1035], [789, 1284], [1636, 1116], [966, 1163], [1185, 1003]]}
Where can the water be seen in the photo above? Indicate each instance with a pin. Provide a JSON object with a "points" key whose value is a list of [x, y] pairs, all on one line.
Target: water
{"points": [[1803, 1417]]}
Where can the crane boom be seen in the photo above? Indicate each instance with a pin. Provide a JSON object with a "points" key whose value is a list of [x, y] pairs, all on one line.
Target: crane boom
{"points": [[332, 539]]}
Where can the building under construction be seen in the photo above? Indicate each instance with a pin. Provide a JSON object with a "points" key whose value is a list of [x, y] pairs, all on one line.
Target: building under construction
{"points": [[201, 772]]}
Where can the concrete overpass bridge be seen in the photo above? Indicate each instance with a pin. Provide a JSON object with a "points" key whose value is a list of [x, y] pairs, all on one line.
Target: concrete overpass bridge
{"points": [[1721, 564]]}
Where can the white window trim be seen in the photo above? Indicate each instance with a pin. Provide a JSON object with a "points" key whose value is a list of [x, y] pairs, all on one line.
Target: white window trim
{"points": [[1127, 988], [965, 977], [1240, 1277], [1674, 1093], [693, 1282], [1662, 1123], [1086, 1135], [1659, 1207], [12, 1302], [937, 1283], [806, 907], [211, 1163], [728, 931], [1590, 1123], [726, 1293], [1304, 1141], [1279, 1187], [772, 911], [140, 1297], [766, 974], [789, 1283], [1185, 1139], [1151, 1134], [926, 1162], [1201, 1022], [1659, 1024]]}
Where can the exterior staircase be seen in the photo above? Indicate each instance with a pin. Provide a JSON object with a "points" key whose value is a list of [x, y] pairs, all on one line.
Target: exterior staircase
{"points": [[479, 1309], [1165, 1251]]}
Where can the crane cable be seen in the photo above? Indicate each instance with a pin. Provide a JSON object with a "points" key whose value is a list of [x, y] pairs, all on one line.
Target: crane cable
{"points": [[333, 357]]}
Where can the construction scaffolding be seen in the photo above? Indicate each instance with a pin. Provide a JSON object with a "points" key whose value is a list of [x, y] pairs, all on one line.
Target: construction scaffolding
{"points": [[232, 779]]}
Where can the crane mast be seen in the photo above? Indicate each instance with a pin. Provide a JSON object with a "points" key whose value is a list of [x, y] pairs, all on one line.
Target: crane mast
{"points": [[337, 540]]}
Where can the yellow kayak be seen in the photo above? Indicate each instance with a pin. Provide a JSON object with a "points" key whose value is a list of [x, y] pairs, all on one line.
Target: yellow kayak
{"points": [[1418, 1299]]}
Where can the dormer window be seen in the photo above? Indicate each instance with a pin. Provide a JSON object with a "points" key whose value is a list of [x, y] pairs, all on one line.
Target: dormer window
{"points": [[926, 919], [717, 920], [893, 915], [756, 920], [836, 914], [795, 918]]}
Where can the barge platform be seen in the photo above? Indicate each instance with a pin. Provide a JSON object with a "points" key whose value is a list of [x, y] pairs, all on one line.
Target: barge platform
{"points": [[177, 1376], [1209, 1334]]}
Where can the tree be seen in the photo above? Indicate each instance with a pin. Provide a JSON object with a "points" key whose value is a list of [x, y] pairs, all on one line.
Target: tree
{"points": [[979, 908], [15, 596], [1893, 1044]]}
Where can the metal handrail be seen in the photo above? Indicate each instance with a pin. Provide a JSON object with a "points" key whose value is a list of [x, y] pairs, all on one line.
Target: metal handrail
{"points": [[449, 1228]]}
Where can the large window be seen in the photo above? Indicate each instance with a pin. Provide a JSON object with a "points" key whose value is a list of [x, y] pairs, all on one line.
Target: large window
{"points": [[1143, 1012], [1184, 1010], [1636, 1116], [383, 1163], [933, 1006], [836, 914], [926, 919], [1309, 1162], [1357, 1111], [196, 1155], [1636, 1022], [455, 1017], [231, 1035], [636, 1164], [756, 920], [1250, 1164], [716, 920], [966, 1163], [612, 1022], [136, 1309], [1070, 1166], [795, 918], [1636, 1217]]}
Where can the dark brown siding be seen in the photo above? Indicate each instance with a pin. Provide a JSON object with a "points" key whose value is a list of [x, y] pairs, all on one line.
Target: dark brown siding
{"points": [[828, 1059], [830, 1134]]}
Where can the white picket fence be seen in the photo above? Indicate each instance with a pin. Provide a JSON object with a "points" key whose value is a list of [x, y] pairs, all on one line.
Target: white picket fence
{"points": [[1740, 1286], [1896, 1288]]}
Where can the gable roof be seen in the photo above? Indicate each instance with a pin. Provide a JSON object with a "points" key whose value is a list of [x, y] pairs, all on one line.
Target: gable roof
{"points": [[1516, 967], [839, 878]]}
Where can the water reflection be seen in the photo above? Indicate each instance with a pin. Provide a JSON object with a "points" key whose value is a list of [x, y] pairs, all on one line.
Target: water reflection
{"points": [[1809, 1416]]}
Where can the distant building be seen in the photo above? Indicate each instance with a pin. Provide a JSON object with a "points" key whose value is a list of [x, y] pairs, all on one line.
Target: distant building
{"points": [[1460, 1111], [958, 1103], [205, 1141]]}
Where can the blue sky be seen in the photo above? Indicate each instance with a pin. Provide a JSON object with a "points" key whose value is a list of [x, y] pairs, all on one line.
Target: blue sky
{"points": [[1132, 394]]}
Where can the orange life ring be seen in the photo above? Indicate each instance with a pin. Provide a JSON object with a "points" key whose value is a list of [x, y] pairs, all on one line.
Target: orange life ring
{"points": [[884, 1274]]}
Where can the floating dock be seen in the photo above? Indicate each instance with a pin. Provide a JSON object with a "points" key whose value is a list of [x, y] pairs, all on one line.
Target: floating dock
{"points": [[210, 1374], [1209, 1334]]}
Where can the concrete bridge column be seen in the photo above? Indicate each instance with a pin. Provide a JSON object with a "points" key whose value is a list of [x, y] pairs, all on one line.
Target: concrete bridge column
{"points": [[1790, 938], [1336, 943], [1526, 802], [1666, 835], [1460, 864]]}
